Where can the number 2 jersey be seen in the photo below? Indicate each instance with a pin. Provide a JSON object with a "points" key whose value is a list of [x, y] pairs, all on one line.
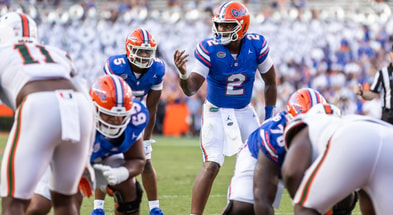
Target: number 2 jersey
{"points": [[21, 63], [104, 148], [230, 81], [269, 138], [119, 65]]}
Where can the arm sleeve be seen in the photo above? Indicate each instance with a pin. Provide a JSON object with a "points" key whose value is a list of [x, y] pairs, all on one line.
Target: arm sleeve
{"points": [[265, 65]]}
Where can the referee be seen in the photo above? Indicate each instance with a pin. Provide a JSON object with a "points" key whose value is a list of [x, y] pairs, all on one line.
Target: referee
{"points": [[382, 83]]}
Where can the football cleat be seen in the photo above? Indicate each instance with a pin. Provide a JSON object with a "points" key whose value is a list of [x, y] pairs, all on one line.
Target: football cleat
{"points": [[156, 211], [98, 211]]}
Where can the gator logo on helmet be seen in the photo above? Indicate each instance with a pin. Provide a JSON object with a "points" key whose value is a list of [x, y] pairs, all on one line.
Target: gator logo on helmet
{"points": [[132, 38], [240, 12]]}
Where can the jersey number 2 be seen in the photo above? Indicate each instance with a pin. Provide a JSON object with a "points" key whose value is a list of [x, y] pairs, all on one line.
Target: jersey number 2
{"points": [[234, 85]]}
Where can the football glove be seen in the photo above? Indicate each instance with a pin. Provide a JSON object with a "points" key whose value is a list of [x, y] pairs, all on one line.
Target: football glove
{"points": [[87, 184], [113, 175]]}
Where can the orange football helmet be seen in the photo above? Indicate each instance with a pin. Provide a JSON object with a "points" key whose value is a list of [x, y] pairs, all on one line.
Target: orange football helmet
{"points": [[112, 96], [302, 100], [141, 48], [231, 12]]}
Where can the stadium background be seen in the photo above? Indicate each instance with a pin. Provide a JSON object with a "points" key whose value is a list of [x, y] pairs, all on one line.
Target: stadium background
{"points": [[327, 45]]}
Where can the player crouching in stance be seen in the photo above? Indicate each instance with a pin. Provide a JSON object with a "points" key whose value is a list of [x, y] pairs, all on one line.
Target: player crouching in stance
{"points": [[118, 153]]}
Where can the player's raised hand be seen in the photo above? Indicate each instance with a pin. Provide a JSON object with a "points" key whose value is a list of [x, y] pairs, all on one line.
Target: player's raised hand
{"points": [[180, 60], [113, 175]]}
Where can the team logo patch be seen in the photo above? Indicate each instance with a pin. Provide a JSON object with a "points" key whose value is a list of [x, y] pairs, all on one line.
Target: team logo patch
{"points": [[221, 54], [230, 123], [213, 109], [96, 147]]}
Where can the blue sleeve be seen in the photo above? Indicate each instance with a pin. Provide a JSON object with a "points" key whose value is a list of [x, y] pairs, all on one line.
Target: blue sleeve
{"points": [[202, 53], [261, 46]]}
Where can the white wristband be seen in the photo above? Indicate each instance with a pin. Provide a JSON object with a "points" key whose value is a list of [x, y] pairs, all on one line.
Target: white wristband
{"points": [[183, 76]]}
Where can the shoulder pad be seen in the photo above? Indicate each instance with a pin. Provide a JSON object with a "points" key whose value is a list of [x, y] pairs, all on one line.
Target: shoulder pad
{"points": [[292, 128]]}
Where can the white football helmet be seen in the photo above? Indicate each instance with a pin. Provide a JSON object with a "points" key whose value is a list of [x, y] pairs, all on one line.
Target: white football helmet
{"points": [[325, 108], [17, 27]]}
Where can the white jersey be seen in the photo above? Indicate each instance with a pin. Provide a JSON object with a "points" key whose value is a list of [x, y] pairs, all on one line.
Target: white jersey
{"points": [[353, 152], [316, 123], [23, 62]]}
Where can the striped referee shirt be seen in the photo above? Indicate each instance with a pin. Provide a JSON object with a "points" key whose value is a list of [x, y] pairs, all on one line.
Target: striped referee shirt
{"points": [[383, 82]]}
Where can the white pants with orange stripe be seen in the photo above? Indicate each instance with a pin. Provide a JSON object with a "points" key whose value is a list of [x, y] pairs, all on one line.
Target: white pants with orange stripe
{"points": [[50, 128], [359, 156]]}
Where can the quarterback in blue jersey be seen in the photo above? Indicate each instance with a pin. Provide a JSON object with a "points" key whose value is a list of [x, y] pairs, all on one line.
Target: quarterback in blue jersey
{"points": [[144, 74], [117, 154], [228, 62], [266, 142]]}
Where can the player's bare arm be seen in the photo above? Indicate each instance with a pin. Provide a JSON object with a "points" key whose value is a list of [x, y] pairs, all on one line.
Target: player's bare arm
{"points": [[190, 83], [135, 158], [270, 87], [265, 184], [152, 103], [297, 160]]}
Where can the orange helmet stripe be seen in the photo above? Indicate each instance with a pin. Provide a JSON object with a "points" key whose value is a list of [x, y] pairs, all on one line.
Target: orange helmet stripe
{"points": [[25, 25]]}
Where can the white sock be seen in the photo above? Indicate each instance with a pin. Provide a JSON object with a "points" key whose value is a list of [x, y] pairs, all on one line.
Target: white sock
{"points": [[99, 204], [154, 204]]}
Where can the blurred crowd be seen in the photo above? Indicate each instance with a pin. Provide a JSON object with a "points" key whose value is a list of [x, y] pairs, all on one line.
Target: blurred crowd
{"points": [[328, 50]]}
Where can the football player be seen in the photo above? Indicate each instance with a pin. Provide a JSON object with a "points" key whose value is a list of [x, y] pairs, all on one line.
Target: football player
{"points": [[266, 141], [118, 154], [228, 62], [329, 157], [144, 73], [53, 122]]}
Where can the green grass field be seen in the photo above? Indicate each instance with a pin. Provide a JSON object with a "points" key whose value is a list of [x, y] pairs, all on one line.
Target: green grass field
{"points": [[177, 162]]}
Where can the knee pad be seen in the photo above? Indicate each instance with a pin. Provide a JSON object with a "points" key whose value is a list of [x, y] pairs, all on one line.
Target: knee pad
{"points": [[227, 208], [129, 207]]}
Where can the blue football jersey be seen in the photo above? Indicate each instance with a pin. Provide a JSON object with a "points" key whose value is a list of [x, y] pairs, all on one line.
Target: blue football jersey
{"points": [[269, 137], [119, 65], [103, 148], [230, 81]]}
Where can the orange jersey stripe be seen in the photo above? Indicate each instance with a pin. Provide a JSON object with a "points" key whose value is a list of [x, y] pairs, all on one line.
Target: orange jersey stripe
{"points": [[11, 158]]}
